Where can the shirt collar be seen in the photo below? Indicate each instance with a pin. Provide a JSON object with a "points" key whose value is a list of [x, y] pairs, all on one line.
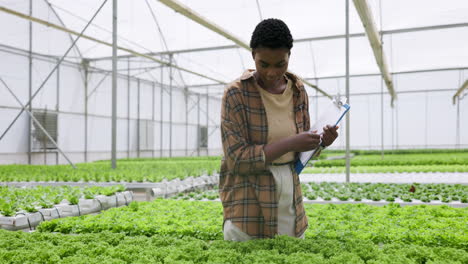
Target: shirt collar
{"points": [[296, 81]]}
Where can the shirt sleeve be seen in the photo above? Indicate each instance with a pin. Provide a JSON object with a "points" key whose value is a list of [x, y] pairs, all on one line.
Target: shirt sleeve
{"points": [[241, 156]]}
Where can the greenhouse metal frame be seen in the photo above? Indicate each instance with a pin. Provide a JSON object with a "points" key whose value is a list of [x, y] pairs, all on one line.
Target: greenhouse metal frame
{"points": [[201, 102]]}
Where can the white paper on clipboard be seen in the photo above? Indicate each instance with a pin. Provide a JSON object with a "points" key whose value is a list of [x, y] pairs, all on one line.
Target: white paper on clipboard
{"points": [[333, 114]]}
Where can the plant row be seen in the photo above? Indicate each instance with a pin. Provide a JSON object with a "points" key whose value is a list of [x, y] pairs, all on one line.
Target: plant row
{"points": [[164, 159], [416, 225], [15, 200], [328, 191], [388, 169], [107, 247], [140, 171], [389, 192], [460, 158]]}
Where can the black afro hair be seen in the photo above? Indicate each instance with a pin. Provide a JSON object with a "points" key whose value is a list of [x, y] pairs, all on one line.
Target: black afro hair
{"points": [[271, 33]]}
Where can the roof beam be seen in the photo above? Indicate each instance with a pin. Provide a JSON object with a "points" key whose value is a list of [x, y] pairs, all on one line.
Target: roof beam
{"points": [[63, 29], [355, 35], [393, 73], [460, 90], [365, 14], [172, 52], [189, 13]]}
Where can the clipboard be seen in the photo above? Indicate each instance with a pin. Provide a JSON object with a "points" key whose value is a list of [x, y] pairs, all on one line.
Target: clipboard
{"points": [[332, 115]]}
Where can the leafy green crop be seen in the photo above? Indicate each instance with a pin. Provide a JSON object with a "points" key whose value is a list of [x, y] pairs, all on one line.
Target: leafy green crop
{"points": [[13, 199], [412, 225], [388, 192], [401, 160], [396, 151], [388, 169], [107, 247], [128, 171], [370, 191]]}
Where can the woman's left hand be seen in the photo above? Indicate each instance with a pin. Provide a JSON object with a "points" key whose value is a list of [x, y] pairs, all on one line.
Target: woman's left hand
{"points": [[329, 135]]}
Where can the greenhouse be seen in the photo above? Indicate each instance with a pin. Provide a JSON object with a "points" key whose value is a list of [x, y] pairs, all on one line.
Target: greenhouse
{"points": [[150, 131]]}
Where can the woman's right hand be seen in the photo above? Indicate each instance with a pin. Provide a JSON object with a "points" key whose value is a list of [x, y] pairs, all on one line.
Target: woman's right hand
{"points": [[305, 141]]}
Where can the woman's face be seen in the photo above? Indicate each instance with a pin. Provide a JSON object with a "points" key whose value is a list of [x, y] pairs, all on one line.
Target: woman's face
{"points": [[271, 64]]}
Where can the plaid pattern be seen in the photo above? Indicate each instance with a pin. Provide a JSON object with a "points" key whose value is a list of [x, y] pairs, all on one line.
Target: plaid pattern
{"points": [[247, 188]]}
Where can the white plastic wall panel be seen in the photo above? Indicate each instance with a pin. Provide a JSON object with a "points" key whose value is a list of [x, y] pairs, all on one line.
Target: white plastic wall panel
{"points": [[99, 94], [122, 97], [47, 40], [166, 105], [214, 140], [99, 134], [331, 86], [16, 140], [178, 137], [427, 81], [203, 110], [133, 99], [179, 106], [409, 124], [193, 137], [157, 102], [365, 84], [166, 138], [14, 72], [463, 122], [214, 112], [72, 91], [133, 135], [71, 132], [193, 109], [47, 96], [157, 137], [17, 35], [122, 133], [429, 49], [402, 14], [146, 100], [441, 117]]}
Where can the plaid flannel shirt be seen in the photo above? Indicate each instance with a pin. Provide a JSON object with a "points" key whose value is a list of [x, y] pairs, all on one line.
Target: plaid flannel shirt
{"points": [[247, 188]]}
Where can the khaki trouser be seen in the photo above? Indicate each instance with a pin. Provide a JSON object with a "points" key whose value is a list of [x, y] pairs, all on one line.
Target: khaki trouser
{"points": [[286, 212]]}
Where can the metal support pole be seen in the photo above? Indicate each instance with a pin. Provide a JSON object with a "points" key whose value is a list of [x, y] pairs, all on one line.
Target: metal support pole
{"points": [[369, 122], [207, 120], [152, 119], [138, 120], [114, 85], [426, 118], [198, 125], [161, 113], [186, 93], [458, 124], [397, 126], [57, 108], [457, 136], [393, 128], [170, 106], [85, 65], [30, 85], [128, 108], [381, 120], [348, 160]]}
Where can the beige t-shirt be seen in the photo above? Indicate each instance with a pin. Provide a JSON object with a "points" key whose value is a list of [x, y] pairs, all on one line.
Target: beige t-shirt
{"points": [[280, 115]]}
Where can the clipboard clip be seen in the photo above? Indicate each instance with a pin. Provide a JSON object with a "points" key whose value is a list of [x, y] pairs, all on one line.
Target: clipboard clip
{"points": [[339, 101]]}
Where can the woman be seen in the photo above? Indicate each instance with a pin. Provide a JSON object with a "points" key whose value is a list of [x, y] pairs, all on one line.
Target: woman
{"points": [[264, 124]]}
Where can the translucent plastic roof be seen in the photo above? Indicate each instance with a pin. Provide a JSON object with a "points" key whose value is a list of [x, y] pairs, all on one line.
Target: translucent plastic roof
{"points": [[137, 30]]}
